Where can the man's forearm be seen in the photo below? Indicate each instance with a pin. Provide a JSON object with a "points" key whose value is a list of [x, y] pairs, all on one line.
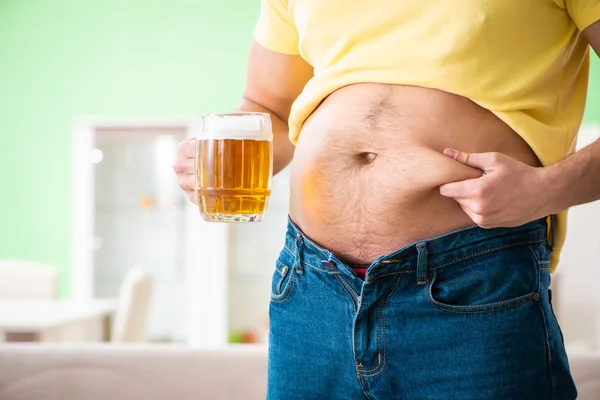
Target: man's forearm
{"points": [[283, 149], [575, 180]]}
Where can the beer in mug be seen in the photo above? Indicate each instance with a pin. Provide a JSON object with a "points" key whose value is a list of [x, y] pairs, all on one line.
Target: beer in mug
{"points": [[234, 166]]}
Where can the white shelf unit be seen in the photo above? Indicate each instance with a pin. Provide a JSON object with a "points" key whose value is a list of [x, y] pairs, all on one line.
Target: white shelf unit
{"points": [[211, 280], [578, 274]]}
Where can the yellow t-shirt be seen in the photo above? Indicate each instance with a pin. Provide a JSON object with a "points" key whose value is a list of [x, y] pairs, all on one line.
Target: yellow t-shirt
{"points": [[524, 60]]}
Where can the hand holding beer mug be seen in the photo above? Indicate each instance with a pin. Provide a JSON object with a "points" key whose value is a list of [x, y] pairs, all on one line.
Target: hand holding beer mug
{"points": [[234, 166]]}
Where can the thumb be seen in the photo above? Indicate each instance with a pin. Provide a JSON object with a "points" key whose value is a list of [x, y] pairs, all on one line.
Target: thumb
{"points": [[482, 161]]}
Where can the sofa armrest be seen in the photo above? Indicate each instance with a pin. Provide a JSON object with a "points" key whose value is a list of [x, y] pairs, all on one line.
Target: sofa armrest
{"points": [[131, 372]]}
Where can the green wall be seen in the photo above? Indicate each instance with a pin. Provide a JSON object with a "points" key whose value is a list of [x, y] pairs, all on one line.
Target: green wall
{"points": [[60, 59], [592, 112]]}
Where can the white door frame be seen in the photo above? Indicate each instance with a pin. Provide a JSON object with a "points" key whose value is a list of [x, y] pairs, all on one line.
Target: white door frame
{"points": [[206, 247]]}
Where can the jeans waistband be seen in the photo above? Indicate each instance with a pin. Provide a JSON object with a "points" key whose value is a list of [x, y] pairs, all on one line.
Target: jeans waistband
{"points": [[425, 255]]}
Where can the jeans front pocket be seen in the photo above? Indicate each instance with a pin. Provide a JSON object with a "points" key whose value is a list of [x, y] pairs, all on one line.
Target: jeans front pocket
{"points": [[500, 279]]}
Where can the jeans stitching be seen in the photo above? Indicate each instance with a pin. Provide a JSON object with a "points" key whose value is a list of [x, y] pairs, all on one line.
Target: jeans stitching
{"points": [[382, 312], [479, 253], [283, 273], [388, 274], [384, 332], [276, 300], [546, 341], [537, 259], [288, 250], [501, 236], [354, 337], [280, 298], [343, 284], [477, 309], [528, 298], [533, 229], [378, 346], [327, 271]]}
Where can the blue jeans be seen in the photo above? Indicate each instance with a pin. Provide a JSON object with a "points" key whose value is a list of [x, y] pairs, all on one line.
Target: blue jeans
{"points": [[466, 315]]}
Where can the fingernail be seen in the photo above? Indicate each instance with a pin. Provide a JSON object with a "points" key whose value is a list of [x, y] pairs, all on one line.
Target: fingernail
{"points": [[451, 153]]}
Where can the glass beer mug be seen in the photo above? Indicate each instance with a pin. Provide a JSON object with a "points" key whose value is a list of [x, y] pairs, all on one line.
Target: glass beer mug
{"points": [[234, 166]]}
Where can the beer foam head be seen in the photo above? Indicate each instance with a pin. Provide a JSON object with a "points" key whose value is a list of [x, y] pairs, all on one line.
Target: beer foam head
{"points": [[239, 125]]}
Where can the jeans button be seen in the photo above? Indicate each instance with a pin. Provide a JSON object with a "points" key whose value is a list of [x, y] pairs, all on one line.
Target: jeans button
{"points": [[328, 264]]}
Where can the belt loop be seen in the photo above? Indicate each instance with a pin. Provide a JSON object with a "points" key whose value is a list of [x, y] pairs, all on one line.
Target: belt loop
{"points": [[422, 278], [552, 232], [297, 261]]}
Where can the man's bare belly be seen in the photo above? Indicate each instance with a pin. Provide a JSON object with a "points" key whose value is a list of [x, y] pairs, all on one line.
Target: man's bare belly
{"points": [[368, 165]]}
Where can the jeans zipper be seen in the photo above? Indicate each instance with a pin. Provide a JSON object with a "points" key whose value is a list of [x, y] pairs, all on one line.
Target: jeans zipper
{"points": [[356, 295], [358, 299]]}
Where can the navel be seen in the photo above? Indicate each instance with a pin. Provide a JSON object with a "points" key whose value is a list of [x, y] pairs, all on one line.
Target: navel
{"points": [[366, 157]]}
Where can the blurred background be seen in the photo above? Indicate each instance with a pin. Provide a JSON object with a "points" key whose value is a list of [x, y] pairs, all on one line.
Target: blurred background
{"points": [[94, 97]]}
